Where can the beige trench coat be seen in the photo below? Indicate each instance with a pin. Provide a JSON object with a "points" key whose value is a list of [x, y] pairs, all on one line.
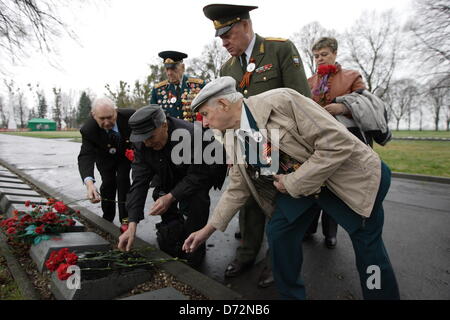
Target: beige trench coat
{"points": [[329, 153]]}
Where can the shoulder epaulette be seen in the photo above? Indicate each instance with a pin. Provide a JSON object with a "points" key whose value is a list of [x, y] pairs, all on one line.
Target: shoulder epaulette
{"points": [[162, 83], [195, 80], [276, 39]]}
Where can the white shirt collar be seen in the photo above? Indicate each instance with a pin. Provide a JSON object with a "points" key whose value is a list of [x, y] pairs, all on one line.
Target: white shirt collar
{"points": [[249, 50], [245, 125]]}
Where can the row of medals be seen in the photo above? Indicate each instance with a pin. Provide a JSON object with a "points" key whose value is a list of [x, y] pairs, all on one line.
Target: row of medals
{"points": [[186, 99]]}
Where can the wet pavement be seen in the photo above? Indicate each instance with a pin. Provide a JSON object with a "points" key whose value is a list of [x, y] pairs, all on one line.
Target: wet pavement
{"points": [[416, 232]]}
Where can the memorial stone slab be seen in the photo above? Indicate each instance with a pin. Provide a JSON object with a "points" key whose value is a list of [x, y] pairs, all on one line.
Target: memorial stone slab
{"points": [[168, 293], [14, 180], [78, 227], [7, 174], [106, 288], [18, 192], [7, 200], [13, 185], [76, 242]]}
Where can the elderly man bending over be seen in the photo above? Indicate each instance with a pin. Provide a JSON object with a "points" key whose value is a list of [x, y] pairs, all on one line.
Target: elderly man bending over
{"points": [[105, 140], [320, 162]]}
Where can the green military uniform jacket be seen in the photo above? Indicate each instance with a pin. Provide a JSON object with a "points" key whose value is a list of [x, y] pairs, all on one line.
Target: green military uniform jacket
{"points": [[176, 103], [278, 65]]}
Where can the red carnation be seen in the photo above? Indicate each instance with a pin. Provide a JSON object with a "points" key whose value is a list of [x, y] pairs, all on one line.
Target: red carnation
{"points": [[60, 207], [325, 69], [27, 203], [40, 229], [26, 218], [129, 153], [11, 230], [49, 216], [71, 258], [62, 271]]}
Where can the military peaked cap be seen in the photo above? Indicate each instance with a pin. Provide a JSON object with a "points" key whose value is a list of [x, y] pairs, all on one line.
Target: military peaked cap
{"points": [[224, 16], [171, 58]]}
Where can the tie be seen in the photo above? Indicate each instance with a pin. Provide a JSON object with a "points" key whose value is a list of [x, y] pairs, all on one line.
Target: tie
{"points": [[114, 137], [244, 62]]}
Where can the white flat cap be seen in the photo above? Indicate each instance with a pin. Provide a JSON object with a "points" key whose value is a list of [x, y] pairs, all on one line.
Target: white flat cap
{"points": [[217, 87]]}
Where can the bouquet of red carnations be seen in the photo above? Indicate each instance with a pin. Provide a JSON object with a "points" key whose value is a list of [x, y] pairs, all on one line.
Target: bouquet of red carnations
{"points": [[38, 224]]}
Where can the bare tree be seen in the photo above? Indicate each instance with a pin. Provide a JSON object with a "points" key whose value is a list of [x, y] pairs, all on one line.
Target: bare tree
{"points": [[57, 108], [69, 108], [401, 99], [21, 110], [439, 96], [306, 38], [207, 66], [430, 27], [372, 46], [30, 25], [4, 116]]}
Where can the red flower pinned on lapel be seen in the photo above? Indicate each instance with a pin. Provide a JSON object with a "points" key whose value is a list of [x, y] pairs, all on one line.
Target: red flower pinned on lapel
{"points": [[129, 153]]}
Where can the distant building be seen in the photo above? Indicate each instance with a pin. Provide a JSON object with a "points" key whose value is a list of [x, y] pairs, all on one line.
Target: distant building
{"points": [[38, 124]]}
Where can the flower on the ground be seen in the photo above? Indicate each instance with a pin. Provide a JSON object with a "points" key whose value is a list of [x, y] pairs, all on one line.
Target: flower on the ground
{"points": [[59, 261], [11, 230], [60, 207], [40, 229], [62, 271], [37, 224]]}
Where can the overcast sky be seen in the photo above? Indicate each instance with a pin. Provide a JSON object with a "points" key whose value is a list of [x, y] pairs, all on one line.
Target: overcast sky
{"points": [[119, 38]]}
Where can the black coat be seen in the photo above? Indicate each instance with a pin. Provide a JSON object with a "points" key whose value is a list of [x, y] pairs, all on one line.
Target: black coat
{"points": [[183, 180], [97, 148]]}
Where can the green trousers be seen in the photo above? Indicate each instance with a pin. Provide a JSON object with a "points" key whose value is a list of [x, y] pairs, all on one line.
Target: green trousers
{"points": [[291, 219]]}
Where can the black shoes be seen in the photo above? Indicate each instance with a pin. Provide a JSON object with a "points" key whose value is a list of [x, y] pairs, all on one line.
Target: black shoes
{"points": [[330, 242], [237, 267], [266, 278]]}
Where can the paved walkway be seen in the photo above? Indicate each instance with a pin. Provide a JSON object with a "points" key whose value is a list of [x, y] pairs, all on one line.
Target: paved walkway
{"points": [[416, 233]]}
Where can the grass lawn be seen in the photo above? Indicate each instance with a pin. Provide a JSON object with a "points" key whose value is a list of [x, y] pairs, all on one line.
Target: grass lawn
{"points": [[417, 157], [8, 288], [421, 134]]}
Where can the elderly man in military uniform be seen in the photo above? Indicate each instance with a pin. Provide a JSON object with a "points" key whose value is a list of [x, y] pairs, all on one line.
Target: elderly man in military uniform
{"points": [[257, 64], [176, 93], [182, 185]]}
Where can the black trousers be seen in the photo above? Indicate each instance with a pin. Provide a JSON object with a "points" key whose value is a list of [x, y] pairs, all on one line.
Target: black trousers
{"points": [[194, 212], [115, 180], [329, 226], [179, 221]]}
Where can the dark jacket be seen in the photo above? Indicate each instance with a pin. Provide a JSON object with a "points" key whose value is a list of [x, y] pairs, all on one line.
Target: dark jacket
{"points": [[97, 148], [181, 180]]}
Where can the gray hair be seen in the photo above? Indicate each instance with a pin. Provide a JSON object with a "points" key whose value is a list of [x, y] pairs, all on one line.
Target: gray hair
{"points": [[103, 102], [232, 97]]}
